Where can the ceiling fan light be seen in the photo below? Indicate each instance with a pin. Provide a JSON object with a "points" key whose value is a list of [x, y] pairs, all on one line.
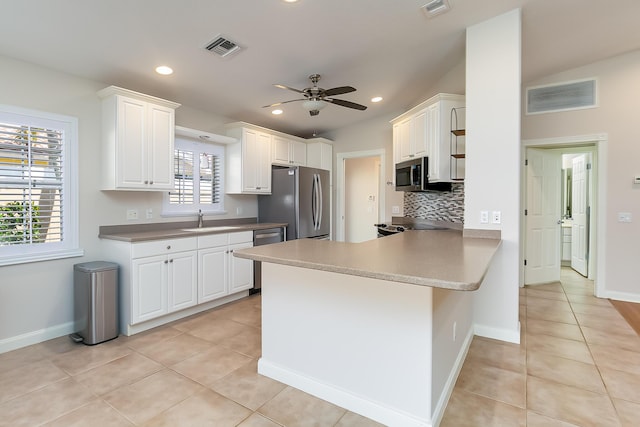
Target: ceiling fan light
{"points": [[314, 104]]}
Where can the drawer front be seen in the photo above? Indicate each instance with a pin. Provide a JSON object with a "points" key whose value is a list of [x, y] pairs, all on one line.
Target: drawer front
{"points": [[213, 240], [161, 247], [240, 237]]}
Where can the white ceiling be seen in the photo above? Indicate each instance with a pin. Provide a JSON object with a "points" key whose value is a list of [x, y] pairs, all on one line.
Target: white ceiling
{"points": [[381, 47]]}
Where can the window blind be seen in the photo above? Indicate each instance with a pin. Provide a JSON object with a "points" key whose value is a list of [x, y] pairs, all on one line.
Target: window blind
{"points": [[31, 184], [197, 178]]}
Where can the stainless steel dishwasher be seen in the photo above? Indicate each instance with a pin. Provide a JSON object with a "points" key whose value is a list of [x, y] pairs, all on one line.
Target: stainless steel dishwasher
{"points": [[266, 236]]}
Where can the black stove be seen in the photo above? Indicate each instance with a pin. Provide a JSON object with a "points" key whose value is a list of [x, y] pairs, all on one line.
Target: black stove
{"points": [[389, 230]]}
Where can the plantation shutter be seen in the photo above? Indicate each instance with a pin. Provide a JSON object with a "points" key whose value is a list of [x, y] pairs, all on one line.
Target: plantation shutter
{"points": [[31, 184]]}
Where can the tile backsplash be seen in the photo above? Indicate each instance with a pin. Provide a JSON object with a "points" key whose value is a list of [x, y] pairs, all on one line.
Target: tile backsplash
{"points": [[436, 205]]}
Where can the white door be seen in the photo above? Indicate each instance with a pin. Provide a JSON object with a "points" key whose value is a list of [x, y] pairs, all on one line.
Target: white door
{"points": [[213, 275], [183, 280], [579, 209], [543, 239], [240, 269], [361, 198], [149, 288]]}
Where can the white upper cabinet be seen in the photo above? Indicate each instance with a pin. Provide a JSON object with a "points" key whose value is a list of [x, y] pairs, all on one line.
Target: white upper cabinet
{"points": [[138, 140], [248, 162], [320, 154], [288, 152], [425, 131]]}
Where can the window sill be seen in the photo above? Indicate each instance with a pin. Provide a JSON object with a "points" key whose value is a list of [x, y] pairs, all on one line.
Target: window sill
{"points": [[45, 256]]}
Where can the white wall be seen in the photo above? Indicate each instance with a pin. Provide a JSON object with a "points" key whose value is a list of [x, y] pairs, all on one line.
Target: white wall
{"points": [[36, 300], [492, 180], [615, 116]]}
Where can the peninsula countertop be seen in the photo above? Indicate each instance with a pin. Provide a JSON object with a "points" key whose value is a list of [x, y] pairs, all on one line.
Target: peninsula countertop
{"points": [[437, 258]]}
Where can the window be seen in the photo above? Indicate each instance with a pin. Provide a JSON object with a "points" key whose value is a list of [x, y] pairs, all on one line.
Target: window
{"points": [[198, 173], [38, 211]]}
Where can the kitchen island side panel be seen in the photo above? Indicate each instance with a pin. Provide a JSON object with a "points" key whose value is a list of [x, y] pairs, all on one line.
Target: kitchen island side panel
{"points": [[363, 344]]}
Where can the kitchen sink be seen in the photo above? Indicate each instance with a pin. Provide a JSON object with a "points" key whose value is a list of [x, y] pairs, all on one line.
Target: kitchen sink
{"points": [[212, 228]]}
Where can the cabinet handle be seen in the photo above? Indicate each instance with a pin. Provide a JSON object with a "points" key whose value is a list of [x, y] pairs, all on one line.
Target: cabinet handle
{"points": [[151, 182], [166, 262], [231, 251], [170, 260], [168, 247], [257, 188]]}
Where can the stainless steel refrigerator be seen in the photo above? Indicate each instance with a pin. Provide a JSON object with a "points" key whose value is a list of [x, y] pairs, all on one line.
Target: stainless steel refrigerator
{"points": [[299, 197]]}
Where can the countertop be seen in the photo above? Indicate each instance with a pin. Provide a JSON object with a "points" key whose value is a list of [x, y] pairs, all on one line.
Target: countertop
{"points": [[175, 231], [438, 258]]}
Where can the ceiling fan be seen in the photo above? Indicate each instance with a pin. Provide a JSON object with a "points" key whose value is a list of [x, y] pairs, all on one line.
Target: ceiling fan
{"points": [[316, 98]]}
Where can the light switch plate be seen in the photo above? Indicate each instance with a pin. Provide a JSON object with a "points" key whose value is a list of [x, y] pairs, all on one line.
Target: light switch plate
{"points": [[395, 209], [624, 216], [484, 217], [132, 214]]}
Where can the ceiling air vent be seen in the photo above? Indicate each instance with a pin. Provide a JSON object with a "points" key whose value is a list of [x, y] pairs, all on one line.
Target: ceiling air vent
{"points": [[435, 7], [573, 95], [222, 46]]}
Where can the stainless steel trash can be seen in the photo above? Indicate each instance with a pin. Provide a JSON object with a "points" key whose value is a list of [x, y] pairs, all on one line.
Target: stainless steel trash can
{"points": [[95, 289]]}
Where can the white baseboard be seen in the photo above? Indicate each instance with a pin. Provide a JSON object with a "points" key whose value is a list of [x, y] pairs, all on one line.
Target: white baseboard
{"points": [[367, 408], [438, 411], [498, 333], [35, 337], [620, 296]]}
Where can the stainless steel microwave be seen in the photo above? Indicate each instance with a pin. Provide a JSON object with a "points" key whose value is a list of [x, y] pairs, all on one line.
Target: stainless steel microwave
{"points": [[412, 175]]}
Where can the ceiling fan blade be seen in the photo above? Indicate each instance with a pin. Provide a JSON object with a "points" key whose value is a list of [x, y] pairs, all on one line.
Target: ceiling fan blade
{"points": [[347, 104], [288, 88], [283, 102], [339, 90]]}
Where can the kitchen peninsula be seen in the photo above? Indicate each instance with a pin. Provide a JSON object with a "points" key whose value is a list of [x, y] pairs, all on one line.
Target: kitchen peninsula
{"points": [[379, 327]]}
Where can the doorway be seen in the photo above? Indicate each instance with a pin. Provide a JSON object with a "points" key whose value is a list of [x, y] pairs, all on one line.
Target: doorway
{"points": [[360, 195], [563, 187]]}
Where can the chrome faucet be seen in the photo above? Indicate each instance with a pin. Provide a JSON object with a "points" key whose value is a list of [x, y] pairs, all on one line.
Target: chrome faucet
{"points": [[200, 218]]}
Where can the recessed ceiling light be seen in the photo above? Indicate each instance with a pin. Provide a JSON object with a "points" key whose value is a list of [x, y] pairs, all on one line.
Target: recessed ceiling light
{"points": [[276, 112], [164, 70], [376, 99], [290, 1]]}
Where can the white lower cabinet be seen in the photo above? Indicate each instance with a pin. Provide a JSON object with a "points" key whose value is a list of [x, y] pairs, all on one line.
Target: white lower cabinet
{"points": [[164, 278], [219, 272]]}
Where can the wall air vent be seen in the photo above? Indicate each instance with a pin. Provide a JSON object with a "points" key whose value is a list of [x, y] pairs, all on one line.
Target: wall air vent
{"points": [[574, 95], [222, 46], [435, 7]]}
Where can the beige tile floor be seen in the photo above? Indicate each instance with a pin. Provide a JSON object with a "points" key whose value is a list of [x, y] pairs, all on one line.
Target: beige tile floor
{"points": [[578, 365]]}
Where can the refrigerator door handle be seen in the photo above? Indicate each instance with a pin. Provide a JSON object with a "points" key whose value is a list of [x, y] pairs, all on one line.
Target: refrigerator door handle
{"points": [[319, 201], [314, 209]]}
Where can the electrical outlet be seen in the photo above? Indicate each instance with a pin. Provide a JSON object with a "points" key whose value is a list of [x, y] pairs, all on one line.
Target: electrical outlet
{"points": [[484, 217], [132, 214], [624, 216], [149, 213], [496, 217], [239, 210], [395, 209]]}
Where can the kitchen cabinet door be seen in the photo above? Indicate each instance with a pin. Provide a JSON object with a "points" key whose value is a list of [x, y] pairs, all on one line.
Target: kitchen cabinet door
{"points": [[287, 152], [160, 147], [149, 288], [138, 140], [240, 270], [404, 139], [213, 274], [420, 134], [256, 162], [183, 280]]}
